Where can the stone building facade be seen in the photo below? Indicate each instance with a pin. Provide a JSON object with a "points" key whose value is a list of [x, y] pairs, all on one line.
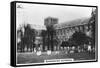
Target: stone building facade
{"points": [[64, 31]]}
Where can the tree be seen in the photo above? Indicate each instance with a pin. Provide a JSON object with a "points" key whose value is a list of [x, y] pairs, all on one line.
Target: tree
{"points": [[79, 39], [93, 22], [44, 39], [27, 37], [49, 23], [50, 35], [19, 43]]}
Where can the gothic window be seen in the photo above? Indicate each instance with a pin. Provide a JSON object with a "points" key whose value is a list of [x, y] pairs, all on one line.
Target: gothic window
{"points": [[86, 27], [81, 29], [76, 28]]}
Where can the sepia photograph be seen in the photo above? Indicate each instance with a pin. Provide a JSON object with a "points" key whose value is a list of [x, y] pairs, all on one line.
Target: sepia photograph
{"points": [[48, 33]]}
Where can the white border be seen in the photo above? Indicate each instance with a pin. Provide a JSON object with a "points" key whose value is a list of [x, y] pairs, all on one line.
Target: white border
{"points": [[61, 62]]}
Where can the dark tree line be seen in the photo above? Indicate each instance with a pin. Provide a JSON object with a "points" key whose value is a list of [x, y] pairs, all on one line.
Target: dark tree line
{"points": [[44, 40], [77, 39], [27, 38]]}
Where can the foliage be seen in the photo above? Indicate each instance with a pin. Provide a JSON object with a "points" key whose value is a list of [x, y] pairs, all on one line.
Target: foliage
{"points": [[79, 38], [27, 37]]}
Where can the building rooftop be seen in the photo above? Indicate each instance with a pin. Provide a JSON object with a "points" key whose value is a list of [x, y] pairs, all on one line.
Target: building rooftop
{"points": [[38, 27], [75, 22]]}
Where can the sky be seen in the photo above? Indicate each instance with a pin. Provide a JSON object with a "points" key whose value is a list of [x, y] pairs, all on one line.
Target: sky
{"points": [[36, 13]]}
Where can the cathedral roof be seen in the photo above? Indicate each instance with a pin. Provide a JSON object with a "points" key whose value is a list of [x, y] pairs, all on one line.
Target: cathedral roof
{"points": [[72, 23]]}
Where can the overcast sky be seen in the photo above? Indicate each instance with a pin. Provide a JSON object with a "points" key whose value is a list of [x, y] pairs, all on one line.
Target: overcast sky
{"points": [[36, 13]]}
